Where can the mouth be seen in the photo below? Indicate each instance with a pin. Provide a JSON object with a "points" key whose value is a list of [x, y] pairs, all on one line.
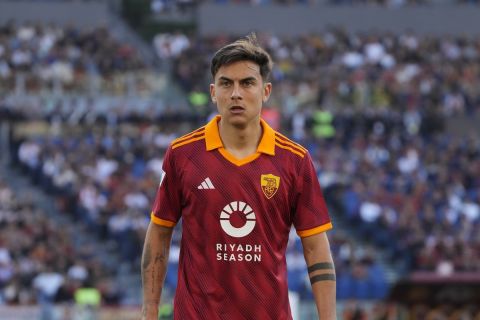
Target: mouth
{"points": [[237, 109]]}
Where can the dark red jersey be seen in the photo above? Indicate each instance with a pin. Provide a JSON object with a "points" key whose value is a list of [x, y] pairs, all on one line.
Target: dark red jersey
{"points": [[237, 215]]}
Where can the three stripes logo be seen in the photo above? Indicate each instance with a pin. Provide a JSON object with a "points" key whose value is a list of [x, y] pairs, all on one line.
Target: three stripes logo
{"points": [[206, 184]]}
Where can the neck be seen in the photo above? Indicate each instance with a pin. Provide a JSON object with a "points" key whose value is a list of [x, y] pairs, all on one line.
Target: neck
{"points": [[241, 142]]}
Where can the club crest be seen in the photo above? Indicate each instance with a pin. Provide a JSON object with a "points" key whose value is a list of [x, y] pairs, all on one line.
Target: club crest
{"points": [[270, 184]]}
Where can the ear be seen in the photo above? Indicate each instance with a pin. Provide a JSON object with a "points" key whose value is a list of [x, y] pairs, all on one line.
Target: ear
{"points": [[212, 93], [267, 90]]}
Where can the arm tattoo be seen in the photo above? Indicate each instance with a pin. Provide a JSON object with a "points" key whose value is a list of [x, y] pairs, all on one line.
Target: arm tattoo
{"points": [[147, 257], [322, 277], [321, 266], [162, 256]]}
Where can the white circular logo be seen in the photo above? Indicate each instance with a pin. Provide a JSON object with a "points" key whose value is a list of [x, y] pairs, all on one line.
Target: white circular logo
{"points": [[243, 208]]}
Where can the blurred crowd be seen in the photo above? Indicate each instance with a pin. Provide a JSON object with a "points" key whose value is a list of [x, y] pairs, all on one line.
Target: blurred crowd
{"points": [[337, 70], [416, 196], [40, 262], [41, 57], [371, 109], [161, 6]]}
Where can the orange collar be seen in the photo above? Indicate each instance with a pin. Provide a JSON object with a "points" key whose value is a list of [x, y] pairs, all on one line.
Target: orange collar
{"points": [[213, 141]]}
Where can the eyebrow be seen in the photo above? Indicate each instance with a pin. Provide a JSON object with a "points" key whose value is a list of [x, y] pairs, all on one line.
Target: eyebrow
{"points": [[241, 80]]}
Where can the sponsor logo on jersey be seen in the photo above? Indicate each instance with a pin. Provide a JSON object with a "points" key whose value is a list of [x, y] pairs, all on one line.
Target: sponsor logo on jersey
{"points": [[270, 184], [242, 208], [239, 252], [236, 252]]}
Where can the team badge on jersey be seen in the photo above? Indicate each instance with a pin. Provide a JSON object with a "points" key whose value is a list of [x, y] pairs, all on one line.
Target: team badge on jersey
{"points": [[270, 184]]}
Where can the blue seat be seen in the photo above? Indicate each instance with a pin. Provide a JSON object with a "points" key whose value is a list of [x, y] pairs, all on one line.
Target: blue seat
{"points": [[344, 286]]}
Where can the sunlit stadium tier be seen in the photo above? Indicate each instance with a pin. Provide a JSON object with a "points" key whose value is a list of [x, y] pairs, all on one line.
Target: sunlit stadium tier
{"points": [[339, 70], [42, 57]]}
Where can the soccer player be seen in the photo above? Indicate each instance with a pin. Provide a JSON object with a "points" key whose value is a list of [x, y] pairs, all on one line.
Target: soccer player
{"points": [[239, 186]]}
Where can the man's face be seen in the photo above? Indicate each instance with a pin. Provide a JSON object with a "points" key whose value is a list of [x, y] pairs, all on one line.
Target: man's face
{"points": [[239, 93]]}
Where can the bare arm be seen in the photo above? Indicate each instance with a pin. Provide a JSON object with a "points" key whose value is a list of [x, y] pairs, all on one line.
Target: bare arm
{"points": [[154, 268], [321, 271]]}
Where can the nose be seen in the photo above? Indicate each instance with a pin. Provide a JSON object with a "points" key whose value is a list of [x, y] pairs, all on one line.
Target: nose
{"points": [[236, 94]]}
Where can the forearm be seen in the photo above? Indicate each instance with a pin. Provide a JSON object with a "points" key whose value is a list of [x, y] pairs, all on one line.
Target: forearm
{"points": [[324, 291], [154, 267], [321, 272]]}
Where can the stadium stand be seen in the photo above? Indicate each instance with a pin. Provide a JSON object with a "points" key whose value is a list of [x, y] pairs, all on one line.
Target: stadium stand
{"points": [[374, 109], [42, 259], [405, 72]]}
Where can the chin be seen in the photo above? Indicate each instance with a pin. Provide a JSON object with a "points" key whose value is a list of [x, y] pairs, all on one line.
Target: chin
{"points": [[238, 123]]}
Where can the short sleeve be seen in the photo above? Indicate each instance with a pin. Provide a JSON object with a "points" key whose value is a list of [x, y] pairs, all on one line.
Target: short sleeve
{"points": [[166, 209], [311, 214]]}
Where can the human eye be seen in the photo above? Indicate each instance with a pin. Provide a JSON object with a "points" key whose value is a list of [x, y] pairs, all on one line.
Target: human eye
{"points": [[248, 83], [225, 83]]}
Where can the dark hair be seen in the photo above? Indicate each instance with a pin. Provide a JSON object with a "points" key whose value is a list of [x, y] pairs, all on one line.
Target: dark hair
{"points": [[240, 50]]}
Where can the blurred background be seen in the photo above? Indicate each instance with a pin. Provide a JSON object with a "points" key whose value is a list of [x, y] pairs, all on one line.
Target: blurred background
{"points": [[385, 94]]}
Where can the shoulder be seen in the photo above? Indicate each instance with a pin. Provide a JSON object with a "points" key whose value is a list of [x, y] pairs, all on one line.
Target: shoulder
{"points": [[292, 148], [188, 139], [185, 146]]}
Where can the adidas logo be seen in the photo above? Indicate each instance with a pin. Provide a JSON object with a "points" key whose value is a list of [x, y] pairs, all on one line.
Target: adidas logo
{"points": [[206, 184]]}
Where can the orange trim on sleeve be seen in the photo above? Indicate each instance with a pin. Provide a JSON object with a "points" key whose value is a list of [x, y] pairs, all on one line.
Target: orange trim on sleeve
{"points": [[161, 222], [311, 232]]}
